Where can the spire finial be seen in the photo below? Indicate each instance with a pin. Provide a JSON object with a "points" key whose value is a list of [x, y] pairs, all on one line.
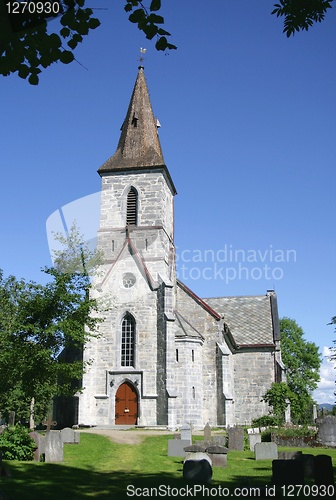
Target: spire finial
{"points": [[142, 58]]}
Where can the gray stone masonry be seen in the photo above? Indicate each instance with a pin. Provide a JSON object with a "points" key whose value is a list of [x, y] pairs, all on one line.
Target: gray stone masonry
{"points": [[327, 430], [253, 440], [69, 436]]}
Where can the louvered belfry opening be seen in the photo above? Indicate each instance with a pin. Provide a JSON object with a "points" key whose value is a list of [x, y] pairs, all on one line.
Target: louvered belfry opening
{"points": [[127, 340], [132, 207]]}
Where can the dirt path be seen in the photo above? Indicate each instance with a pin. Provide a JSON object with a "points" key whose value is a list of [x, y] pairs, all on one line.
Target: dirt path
{"points": [[126, 436]]}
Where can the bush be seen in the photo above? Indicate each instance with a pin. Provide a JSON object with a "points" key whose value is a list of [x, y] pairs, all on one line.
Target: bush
{"points": [[265, 421], [16, 444], [295, 432]]}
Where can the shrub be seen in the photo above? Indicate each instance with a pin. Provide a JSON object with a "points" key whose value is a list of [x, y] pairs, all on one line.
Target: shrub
{"points": [[265, 421], [16, 444]]}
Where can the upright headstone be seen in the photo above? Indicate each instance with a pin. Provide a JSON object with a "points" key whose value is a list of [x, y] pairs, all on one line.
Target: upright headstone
{"points": [[53, 447], [11, 418], [308, 465], [236, 438], [69, 436], [253, 440], [323, 470], [40, 449], [288, 412], [266, 451], [218, 455], [176, 447], [286, 472], [327, 430], [207, 433], [197, 467], [314, 413], [186, 433]]}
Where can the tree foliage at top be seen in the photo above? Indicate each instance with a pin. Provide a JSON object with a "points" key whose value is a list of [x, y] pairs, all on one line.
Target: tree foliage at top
{"points": [[301, 14], [27, 47]]}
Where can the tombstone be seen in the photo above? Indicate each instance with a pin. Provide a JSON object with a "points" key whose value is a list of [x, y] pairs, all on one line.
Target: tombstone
{"points": [[69, 436], [53, 447], [314, 411], [266, 451], [218, 455], [323, 470], [11, 418], [286, 472], [195, 448], [207, 433], [308, 465], [197, 467], [39, 441], [186, 433], [236, 438], [288, 412], [253, 440], [219, 440], [49, 423], [290, 455], [176, 447], [326, 433]]}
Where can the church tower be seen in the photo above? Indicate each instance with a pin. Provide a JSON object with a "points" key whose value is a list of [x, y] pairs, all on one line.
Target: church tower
{"points": [[130, 378]]}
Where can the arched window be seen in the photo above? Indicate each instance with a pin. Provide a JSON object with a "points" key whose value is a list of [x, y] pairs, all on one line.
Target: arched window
{"points": [[132, 207], [127, 340]]}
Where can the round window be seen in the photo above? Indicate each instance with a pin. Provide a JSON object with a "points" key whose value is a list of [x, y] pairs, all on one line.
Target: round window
{"points": [[128, 280]]}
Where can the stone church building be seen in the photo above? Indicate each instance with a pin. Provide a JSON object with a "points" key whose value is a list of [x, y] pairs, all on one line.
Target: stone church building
{"points": [[164, 356]]}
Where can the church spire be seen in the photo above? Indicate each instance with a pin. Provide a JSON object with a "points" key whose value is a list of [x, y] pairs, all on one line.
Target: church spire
{"points": [[139, 144]]}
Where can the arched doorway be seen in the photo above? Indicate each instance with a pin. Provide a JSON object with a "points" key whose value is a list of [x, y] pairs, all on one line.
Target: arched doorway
{"points": [[126, 405]]}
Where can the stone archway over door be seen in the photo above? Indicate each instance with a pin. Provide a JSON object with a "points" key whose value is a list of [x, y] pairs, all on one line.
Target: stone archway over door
{"points": [[126, 405]]}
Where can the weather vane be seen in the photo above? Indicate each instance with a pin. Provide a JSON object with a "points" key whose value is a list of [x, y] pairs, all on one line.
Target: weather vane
{"points": [[142, 53]]}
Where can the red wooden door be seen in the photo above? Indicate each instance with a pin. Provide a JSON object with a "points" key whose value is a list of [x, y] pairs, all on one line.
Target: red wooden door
{"points": [[126, 405]]}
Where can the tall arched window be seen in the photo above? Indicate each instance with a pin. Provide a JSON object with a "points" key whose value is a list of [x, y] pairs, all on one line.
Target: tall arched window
{"points": [[127, 340], [132, 207]]}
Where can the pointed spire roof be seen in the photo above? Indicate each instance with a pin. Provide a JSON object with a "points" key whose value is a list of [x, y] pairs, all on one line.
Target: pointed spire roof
{"points": [[139, 145]]}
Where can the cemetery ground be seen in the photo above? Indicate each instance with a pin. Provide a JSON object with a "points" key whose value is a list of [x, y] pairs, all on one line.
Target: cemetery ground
{"points": [[101, 468]]}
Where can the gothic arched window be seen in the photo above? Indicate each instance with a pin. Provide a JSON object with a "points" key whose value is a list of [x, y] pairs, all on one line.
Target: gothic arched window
{"points": [[127, 340], [132, 207]]}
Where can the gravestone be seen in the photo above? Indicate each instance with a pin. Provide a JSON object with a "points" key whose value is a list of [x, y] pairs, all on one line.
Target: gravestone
{"points": [[69, 436], [285, 472], [323, 470], [49, 423], [176, 447], [326, 433], [290, 455], [218, 455], [253, 440], [195, 448], [39, 441], [236, 438], [220, 440], [11, 418], [266, 451], [308, 465], [186, 433], [197, 467], [53, 446], [207, 433]]}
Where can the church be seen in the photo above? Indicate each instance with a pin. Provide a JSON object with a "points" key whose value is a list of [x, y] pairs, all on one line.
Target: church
{"points": [[165, 356]]}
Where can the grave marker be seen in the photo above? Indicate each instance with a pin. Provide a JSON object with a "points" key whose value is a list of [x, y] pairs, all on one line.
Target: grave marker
{"points": [[236, 438], [266, 451], [197, 467]]}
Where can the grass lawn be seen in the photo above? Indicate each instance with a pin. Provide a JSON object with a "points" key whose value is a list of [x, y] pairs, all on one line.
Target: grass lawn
{"points": [[99, 468]]}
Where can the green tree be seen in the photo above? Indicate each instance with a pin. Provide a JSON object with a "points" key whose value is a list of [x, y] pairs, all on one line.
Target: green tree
{"points": [[36, 323], [277, 397], [303, 361], [26, 46]]}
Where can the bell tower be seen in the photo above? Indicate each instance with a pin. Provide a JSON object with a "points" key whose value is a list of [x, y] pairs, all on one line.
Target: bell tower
{"points": [[137, 279]]}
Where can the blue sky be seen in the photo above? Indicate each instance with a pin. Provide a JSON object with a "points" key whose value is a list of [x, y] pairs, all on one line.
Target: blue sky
{"points": [[248, 134]]}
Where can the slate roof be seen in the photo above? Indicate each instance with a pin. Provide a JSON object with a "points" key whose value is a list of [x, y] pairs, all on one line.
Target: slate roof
{"points": [[248, 318]]}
